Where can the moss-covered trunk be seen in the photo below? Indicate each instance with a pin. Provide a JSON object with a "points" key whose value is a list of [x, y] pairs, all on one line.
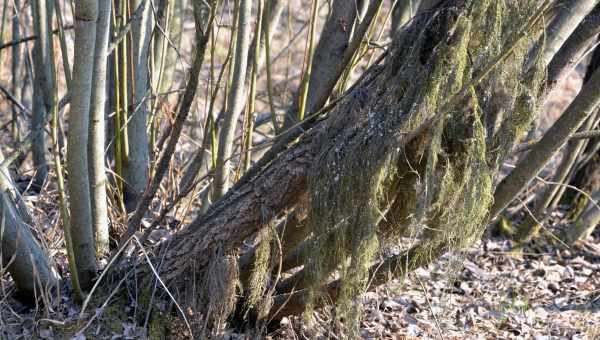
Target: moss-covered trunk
{"points": [[419, 139]]}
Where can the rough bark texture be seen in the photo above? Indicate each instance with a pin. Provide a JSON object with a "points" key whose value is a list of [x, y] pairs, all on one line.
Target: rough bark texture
{"points": [[424, 110]]}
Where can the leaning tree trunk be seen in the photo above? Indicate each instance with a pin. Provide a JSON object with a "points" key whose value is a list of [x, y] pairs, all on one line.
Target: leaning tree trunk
{"points": [[431, 108], [532, 223], [336, 47], [26, 261]]}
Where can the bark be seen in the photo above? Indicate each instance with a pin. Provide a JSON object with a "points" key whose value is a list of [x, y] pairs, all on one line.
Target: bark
{"points": [[404, 10], [585, 223], [533, 222], [165, 55], [571, 13], [386, 119], [16, 53], [235, 102], [203, 31], [571, 53], [8, 188], [97, 131], [27, 262], [136, 168], [335, 49], [86, 15], [276, 183], [43, 85]]}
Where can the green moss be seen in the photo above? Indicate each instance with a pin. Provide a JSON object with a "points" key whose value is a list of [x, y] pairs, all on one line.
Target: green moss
{"points": [[157, 329], [355, 181]]}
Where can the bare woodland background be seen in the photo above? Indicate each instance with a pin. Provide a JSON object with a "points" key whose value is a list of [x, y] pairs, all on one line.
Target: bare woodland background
{"points": [[282, 168]]}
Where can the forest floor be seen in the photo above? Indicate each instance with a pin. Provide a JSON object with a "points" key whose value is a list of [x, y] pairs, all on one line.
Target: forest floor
{"points": [[551, 292], [486, 293]]}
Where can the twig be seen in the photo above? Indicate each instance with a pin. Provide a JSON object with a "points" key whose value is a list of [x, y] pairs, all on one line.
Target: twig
{"points": [[30, 38], [100, 310], [578, 135], [163, 284], [435, 319]]}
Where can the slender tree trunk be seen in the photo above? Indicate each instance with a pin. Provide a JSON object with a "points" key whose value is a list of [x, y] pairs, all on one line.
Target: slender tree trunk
{"points": [[567, 20], [585, 223], [43, 84], [571, 53], [235, 102], [529, 228], [165, 55], [204, 27], [86, 15], [97, 130], [333, 53], [16, 53], [404, 10], [582, 106], [271, 17], [136, 168]]}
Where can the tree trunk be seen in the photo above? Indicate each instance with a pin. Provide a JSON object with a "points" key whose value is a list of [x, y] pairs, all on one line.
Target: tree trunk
{"points": [[341, 37], [529, 228], [269, 22], [564, 24], [136, 167], [43, 85], [27, 263], [423, 111], [16, 53], [97, 130], [404, 10], [235, 102], [86, 15]]}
